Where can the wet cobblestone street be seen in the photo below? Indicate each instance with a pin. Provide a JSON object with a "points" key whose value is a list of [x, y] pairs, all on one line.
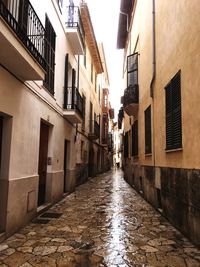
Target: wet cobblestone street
{"points": [[104, 223]]}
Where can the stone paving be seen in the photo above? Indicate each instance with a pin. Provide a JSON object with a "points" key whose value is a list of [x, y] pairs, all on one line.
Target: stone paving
{"points": [[105, 223]]}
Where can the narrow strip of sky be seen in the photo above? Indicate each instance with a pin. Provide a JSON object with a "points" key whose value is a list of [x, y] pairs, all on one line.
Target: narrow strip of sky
{"points": [[104, 15]]}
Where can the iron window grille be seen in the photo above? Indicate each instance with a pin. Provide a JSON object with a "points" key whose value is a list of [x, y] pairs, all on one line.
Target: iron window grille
{"points": [[135, 139], [49, 53], [132, 70], [173, 113], [147, 115]]}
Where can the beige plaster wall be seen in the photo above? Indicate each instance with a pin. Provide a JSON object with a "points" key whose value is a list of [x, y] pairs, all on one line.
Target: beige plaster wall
{"points": [[177, 48]]}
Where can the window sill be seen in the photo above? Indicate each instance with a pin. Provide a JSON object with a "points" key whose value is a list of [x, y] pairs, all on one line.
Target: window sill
{"points": [[173, 150]]}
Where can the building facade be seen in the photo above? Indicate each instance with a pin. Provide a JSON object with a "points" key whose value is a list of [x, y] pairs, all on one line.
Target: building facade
{"points": [[160, 106], [49, 105]]}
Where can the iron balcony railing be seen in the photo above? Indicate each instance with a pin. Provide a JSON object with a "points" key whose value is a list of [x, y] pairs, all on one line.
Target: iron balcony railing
{"points": [[131, 95], [23, 20], [74, 21], [73, 100]]}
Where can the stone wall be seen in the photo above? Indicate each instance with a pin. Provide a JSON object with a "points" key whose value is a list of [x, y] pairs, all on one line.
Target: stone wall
{"points": [[178, 196]]}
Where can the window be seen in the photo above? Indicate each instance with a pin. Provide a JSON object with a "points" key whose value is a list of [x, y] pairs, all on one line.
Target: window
{"points": [[126, 145], [49, 53], [173, 113], [91, 73], [84, 109], [132, 70], [135, 139], [147, 115]]}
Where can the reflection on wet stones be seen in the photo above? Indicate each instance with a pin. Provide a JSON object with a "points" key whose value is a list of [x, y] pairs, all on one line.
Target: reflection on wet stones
{"points": [[105, 223]]}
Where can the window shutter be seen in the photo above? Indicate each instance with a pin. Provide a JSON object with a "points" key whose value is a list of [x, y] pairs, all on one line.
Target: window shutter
{"points": [[66, 80], [148, 130], [177, 125], [173, 113], [135, 139], [49, 52], [132, 70]]}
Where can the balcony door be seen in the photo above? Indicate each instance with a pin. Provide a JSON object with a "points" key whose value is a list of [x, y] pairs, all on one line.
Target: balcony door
{"points": [[42, 164], [23, 15]]}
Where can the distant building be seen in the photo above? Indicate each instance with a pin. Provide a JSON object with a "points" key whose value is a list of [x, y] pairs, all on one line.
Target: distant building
{"points": [[160, 107]]}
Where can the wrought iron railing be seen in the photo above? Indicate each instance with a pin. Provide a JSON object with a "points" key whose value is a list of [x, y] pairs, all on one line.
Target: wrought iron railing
{"points": [[74, 21], [73, 100], [23, 20], [131, 95]]}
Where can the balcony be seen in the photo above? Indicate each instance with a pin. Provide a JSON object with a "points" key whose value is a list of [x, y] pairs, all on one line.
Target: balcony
{"points": [[95, 131], [73, 105], [22, 40], [131, 100], [74, 30]]}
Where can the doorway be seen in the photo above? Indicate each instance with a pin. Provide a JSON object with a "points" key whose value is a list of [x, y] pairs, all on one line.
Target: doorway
{"points": [[91, 163], [42, 164], [65, 167]]}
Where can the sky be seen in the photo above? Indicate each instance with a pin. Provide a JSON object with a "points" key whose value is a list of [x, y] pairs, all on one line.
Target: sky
{"points": [[104, 15]]}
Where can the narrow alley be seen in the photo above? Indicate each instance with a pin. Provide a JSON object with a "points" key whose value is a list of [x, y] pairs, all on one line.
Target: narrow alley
{"points": [[103, 223]]}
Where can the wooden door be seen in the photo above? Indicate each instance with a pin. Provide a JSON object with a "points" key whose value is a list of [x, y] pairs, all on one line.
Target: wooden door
{"points": [[65, 165], [42, 165], [1, 133]]}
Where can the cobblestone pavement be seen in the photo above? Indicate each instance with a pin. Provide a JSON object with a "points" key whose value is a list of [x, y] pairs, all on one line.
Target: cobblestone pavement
{"points": [[104, 223]]}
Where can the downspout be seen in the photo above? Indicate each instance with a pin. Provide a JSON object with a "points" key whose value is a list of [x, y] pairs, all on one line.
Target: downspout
{"points": [[154, 73], [153, 50]]}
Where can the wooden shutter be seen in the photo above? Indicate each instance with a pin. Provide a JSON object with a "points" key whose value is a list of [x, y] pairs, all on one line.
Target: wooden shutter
{"points": [[148, 130], [132, 70], [135, 139], [66, 80], [50, 42], [173, 113]]}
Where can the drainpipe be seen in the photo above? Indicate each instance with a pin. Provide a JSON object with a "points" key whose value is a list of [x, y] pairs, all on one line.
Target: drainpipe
{"points": [[154, 73], [153, 49]]}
